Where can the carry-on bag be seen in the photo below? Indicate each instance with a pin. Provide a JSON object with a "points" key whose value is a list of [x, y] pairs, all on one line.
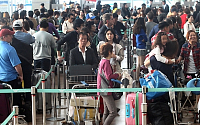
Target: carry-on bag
{"points": [[35, 78], [133, 109], [5, 105], [155, 80]]}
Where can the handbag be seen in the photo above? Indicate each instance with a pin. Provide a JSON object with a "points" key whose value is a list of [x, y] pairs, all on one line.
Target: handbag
{"points": [[105, 84], [156, 79]]}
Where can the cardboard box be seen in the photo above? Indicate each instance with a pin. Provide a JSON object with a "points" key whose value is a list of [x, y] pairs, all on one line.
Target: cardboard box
{"points": [[88, 112], [84, 102]]}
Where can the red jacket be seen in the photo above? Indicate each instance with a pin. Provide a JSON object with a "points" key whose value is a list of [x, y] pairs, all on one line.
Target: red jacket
{"points": [[183, 19]]}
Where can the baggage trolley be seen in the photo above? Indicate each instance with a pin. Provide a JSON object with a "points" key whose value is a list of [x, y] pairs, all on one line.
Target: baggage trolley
{"points": [[77, 102]]}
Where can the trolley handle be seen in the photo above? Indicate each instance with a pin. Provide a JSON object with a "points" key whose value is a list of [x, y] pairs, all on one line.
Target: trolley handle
{"points": [[117, 81], [84, 83]]}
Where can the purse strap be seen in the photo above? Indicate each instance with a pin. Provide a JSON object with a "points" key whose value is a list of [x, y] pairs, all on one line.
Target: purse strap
{"points": [[104, 79]]}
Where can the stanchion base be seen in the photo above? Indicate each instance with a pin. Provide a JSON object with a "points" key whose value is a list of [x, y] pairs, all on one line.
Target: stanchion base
{"points": [[61, 107], [55, 119]]}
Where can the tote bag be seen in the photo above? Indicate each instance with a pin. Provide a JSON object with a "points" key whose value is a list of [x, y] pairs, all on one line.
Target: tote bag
{"points": [[155, 80]]}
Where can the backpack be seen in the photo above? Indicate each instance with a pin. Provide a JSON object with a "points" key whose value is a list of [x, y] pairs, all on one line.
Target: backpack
{"points": [[95, 40]]}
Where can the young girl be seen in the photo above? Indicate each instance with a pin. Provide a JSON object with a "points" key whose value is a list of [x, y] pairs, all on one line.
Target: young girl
{"points": [[158, 49]]}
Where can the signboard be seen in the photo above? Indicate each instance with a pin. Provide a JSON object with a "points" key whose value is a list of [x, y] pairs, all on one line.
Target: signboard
{"points": [[3, 5]]}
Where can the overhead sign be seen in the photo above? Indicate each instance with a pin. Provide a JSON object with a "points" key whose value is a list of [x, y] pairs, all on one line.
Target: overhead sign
{"points": [[3, 5]]}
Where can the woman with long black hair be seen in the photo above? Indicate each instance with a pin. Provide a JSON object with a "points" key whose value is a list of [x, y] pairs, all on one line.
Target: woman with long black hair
{"points": [[125, 11], [139, 30]]}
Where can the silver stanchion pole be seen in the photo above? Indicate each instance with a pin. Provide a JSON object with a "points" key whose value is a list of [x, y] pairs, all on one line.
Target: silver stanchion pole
{"points": [[64, 78], [44, 99], [33, 93], [15, 118], [144, 106], [59, 95], [54, 118]]}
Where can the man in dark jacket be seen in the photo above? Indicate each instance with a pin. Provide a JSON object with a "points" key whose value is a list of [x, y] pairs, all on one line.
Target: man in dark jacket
{"points": [[108, 22], [178, 35], [70, 39], [165, 7]]}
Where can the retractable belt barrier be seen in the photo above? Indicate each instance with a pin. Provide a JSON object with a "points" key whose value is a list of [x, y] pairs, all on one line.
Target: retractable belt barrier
{"points": [[14, 115], [99, 90]]}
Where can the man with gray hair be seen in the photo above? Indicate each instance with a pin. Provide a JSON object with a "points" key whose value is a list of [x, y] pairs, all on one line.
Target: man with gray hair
{"points": [[108, 23]]}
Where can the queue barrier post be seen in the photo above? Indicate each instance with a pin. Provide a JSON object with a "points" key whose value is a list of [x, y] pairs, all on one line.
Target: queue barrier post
{"points": [[144, 106], [54, 118], [15, 117], [59, 94], [44, 99], [33, 94]]}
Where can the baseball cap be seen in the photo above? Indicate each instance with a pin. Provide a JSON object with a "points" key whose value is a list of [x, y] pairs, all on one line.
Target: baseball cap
{"points": [[17, 23], [90, 16], [5, 32]]}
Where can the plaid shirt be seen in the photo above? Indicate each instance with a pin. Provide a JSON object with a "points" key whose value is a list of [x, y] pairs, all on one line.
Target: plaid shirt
{"points": [[185, 53], [170, 35]]}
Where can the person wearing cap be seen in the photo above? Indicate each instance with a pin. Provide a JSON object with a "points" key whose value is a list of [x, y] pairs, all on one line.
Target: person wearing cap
{"points": [[42, 47], [67, 25], [10, 64], [42, 7], [21, 34], [90, 17], [108, 23], [70, 39], [164, 27], [165, 7]]}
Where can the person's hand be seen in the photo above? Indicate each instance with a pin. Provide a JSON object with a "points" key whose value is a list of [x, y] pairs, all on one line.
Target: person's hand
{"points": [[60, 58], [125, 36], [114, 56], [117, 36], [21, 78], [143, 40], [178, 60], [170, 61], [120, 76], [24, 30]]}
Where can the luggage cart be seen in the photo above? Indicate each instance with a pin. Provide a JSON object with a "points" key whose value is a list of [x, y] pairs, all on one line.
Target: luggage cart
{"points": [[76, 76], [77, 102], [174, 110]]}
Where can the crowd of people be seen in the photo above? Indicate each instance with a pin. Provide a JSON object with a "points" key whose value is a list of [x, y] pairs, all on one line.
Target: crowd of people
{"points": [[93, 38]]}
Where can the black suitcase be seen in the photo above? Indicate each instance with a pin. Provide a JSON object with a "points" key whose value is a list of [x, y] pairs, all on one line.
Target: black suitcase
{"points": [[5, 105], [35, 78]]}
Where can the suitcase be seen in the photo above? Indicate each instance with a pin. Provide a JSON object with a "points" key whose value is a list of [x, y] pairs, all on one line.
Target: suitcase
{"points": [[35, 78], [133, 109], [5, 105]]}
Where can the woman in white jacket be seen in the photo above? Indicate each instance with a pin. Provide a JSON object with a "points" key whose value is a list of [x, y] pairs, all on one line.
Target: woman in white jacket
{"points": [[189, 25], [118, 50]]}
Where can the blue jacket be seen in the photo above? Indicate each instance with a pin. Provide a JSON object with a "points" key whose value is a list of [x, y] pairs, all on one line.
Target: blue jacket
{"points": [[154, 30], [139, 37]]}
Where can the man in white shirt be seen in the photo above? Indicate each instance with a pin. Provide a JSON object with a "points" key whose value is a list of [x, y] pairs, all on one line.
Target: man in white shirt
{"points": [[67, 26], [188, 25], [81, 54]]}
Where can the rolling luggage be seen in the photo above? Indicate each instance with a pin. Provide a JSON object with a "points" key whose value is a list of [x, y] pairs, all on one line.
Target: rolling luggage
{"points": [[35, 78], [5, 105], [133, 109]]}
